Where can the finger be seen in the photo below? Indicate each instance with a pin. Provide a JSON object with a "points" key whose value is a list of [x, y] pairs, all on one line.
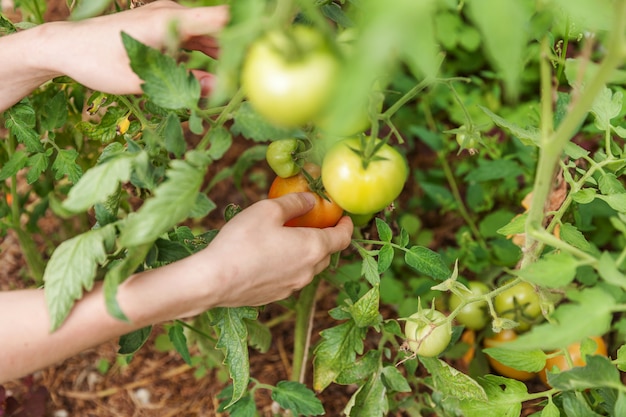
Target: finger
{"points": [[207, 81], [340, 236], [205, 20], [293, 205], [205, 44]]}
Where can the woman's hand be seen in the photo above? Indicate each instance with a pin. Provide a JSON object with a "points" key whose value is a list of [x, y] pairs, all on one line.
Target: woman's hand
{"points": [[258, 260]]}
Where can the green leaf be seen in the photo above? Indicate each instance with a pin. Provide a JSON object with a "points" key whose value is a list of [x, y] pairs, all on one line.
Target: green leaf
{"points": [[336, 351], [529, 136], [384, 231], [606, 106], [505, 398], [385, 258], [172, 131], [504, 26], [616, 201], [588, 314], [609, 184], [121, 270], [133, 341], [394, 380], [20, 120], [516, 226], [244, 407], [366, 310], [584, 196], [259, 335], [255, 127], [608, 271], [453, 383], [38, 163], [489, 170], [221, 141], [65, 164], [98, 183], [170, 205], [89, 8], [176, 333], [361, 369], [553, 270], [598, 372], [233, 336], [575, 405], [166, 83], [202, 206], [550, 410], [427, 262], [529, 361], [72, 268], [570, 234], [17, 161], [369, 268], [296, 397], [370, 400]]}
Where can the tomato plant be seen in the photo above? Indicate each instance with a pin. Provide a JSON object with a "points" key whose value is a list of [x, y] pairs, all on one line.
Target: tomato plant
{"points": [[428, 332], [520, 303], [288, 75], [280, 156], [500, 339], [359, 187], [473, 315], [571, 357], [325, 213]]}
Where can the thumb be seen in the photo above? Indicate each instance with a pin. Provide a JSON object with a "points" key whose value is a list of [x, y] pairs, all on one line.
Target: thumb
{"points": [[293, 205]]}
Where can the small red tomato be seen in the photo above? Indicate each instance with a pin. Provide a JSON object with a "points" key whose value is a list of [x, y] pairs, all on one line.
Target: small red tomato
{"points": [[325, 213]]}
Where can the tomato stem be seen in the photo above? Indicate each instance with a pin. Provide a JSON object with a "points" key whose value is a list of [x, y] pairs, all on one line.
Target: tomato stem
{"points": [[305, 308]]}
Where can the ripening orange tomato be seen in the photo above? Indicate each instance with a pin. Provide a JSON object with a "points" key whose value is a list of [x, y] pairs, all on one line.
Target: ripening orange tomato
{"points": [[497, 340], [560, 361]]}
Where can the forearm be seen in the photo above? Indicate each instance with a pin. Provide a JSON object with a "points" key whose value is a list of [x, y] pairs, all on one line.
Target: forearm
{"points": [[147, 298], [23, 66]]}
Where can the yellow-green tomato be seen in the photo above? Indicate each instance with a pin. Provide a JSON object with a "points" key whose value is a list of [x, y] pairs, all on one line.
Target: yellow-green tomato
{"points": [[427, 332], [474, 315], [520, 303], [360, 189], [288, 75]]}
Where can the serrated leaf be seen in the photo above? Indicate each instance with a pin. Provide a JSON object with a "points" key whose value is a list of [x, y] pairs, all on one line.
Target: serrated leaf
{"points": [[20, 120], [553, 270], [550, 410], [505, 398], [168, 84], [516, 226], [489, 170], [297, 398], [451, 382], [385, 258], [606, 106], [133, 341], [527, 360], [609, 184], [233, 337], [169, 206], [427, 262], [65, 164], [98, 183], [244, 407], [55, 112], [370, 400], [202, 206], [584, 196], [365, 311], [259, 335], [246, 160], [529, 136], [176, 334], [361, 369], [369, 268], [17, 161], [72, 269], [38, 163], [574, 151], [336, 350], [570, 234], [394, 380], [220, 140], [255, 127], [335, 13], [616, 201]]}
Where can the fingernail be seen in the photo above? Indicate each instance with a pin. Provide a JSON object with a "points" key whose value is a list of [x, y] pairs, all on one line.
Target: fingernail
{"points": [[310, 198]]}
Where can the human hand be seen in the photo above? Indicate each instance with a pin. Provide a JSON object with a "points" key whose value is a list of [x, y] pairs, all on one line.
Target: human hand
{"points": [[260, 261], [91, 51]]}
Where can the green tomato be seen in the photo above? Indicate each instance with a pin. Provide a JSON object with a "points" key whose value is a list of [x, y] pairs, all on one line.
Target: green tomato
{"points": [[288, 76], [423, 337], [358, 189], [473, 316], [280, 157], [520, 303]]}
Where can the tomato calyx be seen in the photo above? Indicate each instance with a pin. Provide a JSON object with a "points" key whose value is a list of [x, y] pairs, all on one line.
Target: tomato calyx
{"points": [[369, 148], [315, 184]]}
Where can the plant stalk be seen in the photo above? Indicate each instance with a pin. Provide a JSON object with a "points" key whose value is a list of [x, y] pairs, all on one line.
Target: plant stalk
{"points": [[305, 308]]}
